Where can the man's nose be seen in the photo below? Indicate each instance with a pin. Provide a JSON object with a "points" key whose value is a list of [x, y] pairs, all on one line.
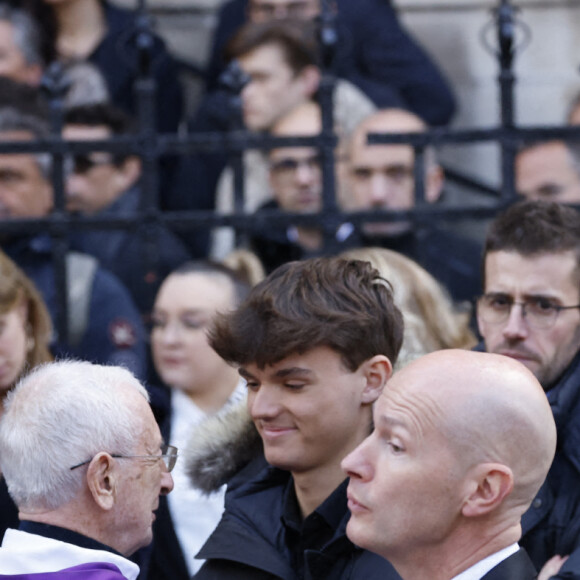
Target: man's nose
{"points": [[305, 173], [263, 403], [516, 325], [166, 483], [380, 190]]}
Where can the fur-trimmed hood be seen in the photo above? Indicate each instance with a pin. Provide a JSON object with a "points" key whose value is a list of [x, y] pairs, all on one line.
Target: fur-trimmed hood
{"points": [[220, 446]]}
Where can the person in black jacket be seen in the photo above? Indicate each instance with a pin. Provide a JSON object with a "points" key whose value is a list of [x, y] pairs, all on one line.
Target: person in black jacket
{"points": [[315, 342], [462, 443], [381, 177], [104, 184], [374, 52], [530, 311]]}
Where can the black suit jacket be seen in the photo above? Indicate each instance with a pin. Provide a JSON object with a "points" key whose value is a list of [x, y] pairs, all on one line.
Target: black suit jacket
{"points": [[517, 567]]}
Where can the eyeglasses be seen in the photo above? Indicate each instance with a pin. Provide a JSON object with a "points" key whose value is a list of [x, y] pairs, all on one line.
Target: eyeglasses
{"points": [[81, 164], [168, 454], [287, 167], [539, 312]]}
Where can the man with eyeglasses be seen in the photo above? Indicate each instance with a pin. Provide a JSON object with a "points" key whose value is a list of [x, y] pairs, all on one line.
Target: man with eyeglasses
{"points": [[530, 311], [105, 184], [85, 462], [295, 175]]}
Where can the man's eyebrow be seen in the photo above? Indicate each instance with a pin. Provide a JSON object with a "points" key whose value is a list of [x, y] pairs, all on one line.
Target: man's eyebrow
{"points": [[387, 421], [282, 373], [244, 373]]}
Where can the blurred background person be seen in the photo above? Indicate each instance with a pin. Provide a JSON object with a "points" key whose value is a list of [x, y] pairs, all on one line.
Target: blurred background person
{"points": [[28, 46], [549, 171], [103, 34], [107, 184], [373, 51], [104, 325], [282, 63], [295, 183], [21, 54], [382, 177], [200, 384], [25, 335]]}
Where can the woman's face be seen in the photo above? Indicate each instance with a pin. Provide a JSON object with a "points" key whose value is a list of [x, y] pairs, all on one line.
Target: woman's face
{"points": [[13, 346], [183, 310]]}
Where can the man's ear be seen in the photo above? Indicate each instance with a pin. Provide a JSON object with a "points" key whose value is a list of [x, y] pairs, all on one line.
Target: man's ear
{"points": [[491, 483], [434, 183], [310, 76], [377, 371], [128, 173], [101, 480]]}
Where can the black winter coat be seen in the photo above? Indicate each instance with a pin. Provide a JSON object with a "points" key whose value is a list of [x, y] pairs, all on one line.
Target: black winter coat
{"points": [[552, 523], [251, 541]]}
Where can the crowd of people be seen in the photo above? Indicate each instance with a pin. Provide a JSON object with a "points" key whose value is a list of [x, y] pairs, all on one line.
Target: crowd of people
{"points": [[359, 394]]}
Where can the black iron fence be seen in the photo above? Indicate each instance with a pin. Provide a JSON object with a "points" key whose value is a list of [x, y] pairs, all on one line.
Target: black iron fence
{"points": [[150, 146]]}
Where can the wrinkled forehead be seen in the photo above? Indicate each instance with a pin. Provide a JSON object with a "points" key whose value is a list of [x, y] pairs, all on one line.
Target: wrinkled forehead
{"points": [[413, 401]]}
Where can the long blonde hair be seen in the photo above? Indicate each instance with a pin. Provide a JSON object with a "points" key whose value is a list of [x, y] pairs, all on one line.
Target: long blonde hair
{"points": [[432, 322]]}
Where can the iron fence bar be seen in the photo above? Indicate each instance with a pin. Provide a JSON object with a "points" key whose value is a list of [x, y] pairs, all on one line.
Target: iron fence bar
{"points": [[55, 87], [328, 40], [146, 90], [506, 31], [151, 146]]}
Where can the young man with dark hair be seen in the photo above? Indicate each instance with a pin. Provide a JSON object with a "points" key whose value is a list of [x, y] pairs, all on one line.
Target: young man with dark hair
{"points": [[373, 51], [316, 342], [530, 311]]}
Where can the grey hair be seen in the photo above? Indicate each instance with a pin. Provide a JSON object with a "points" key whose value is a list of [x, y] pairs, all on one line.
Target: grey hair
{"points": [[12, 119], [26, 33], [62, 414]]}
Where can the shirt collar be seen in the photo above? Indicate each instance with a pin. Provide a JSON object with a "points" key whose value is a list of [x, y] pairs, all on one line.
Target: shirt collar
{"points": [[64, 535], [482, 567]]}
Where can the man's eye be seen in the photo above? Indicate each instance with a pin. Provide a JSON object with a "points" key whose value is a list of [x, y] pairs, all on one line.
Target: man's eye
{"points": [[499, 302], [542, 305], [294, 386], [395, 447], [362, 173]]}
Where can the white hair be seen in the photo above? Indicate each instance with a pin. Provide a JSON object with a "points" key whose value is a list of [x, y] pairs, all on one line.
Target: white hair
{"points": [[58, 416]]}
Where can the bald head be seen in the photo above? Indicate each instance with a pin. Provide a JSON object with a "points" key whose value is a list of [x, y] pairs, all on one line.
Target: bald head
{"points": [[491, 409], [303, 120], [295, 176], [462, 442], [388, 121], [382, 176]]}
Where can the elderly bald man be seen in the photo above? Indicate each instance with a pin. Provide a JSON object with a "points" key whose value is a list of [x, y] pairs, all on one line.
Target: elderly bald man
{"points": [[462, 443]]}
